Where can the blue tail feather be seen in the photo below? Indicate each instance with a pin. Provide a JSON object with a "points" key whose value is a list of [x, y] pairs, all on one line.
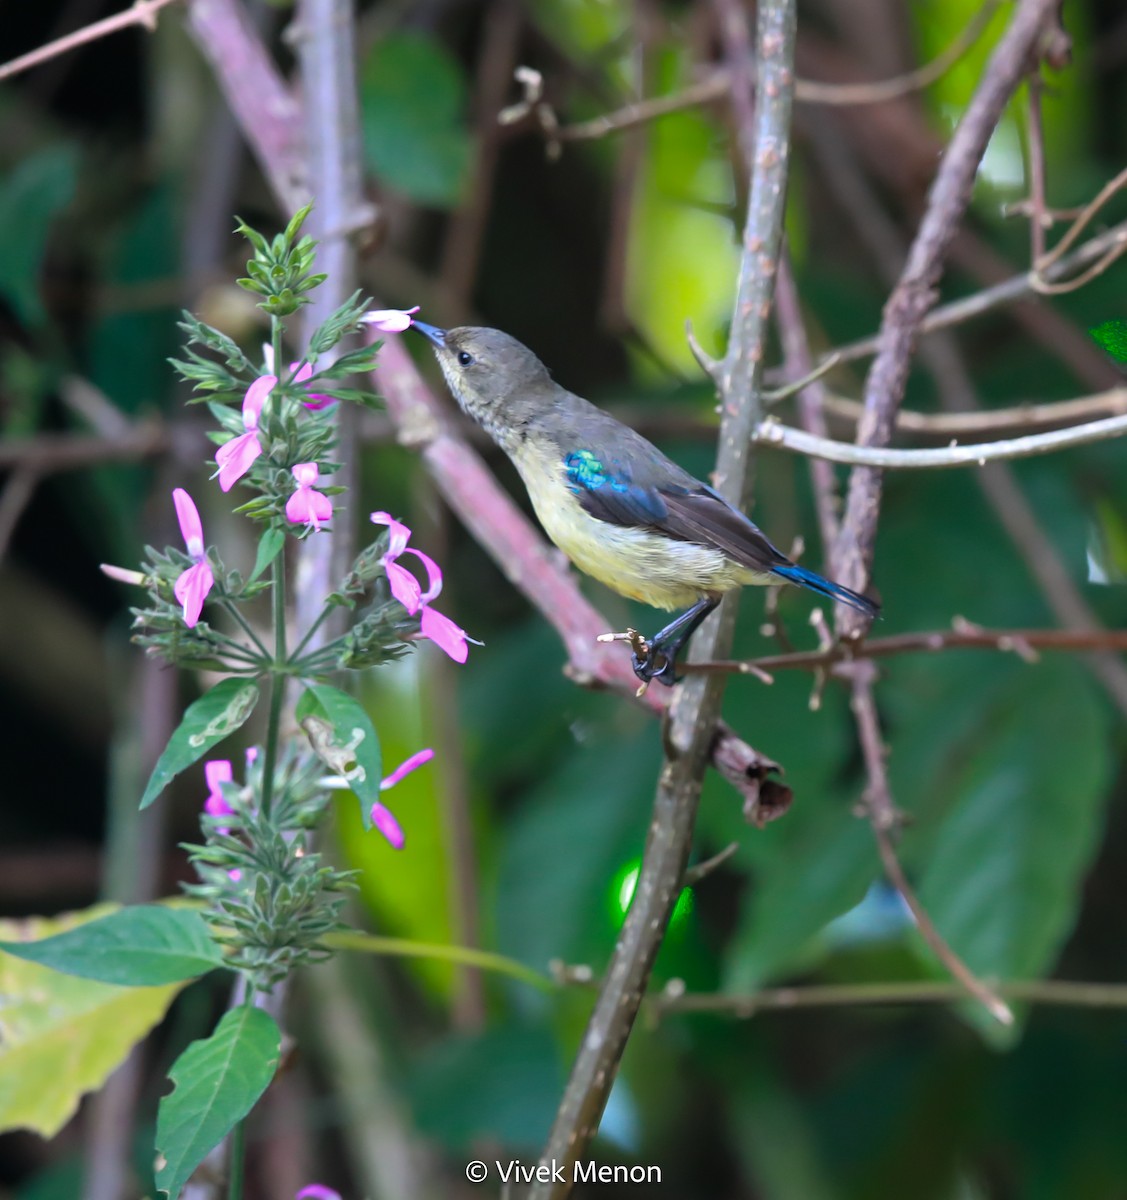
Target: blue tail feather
{"points": [[826, 587]]}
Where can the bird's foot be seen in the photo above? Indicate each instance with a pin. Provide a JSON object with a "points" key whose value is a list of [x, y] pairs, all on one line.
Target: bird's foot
{"points": [[649, 660]]}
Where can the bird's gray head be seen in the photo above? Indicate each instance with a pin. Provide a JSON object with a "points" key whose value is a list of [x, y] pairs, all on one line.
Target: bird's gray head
{"points": [[495, 379]]}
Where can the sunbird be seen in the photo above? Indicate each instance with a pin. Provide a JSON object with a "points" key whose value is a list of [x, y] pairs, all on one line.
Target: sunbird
{"points": [[610, 500]]}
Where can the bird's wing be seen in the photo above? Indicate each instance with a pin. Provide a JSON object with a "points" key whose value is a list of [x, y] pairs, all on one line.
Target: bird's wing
{"points": [[637, 486]]}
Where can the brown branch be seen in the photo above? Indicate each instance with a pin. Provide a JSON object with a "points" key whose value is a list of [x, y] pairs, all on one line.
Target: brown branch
{"points": [[772, 433], [1036, 167], [46, 453], [915, 292], [1017, 287], [267, 113], [963, 635], [811, 402], [884, 820], [719, 84], [1064, 993], [142, 12], [979, 422]]}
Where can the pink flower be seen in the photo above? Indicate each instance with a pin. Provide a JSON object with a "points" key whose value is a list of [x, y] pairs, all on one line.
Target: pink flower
{"points": [[438, 628], [382, 816], [316, 400], [389, 320], [193, 585], [317, 1191], [217, 771], [305, 505], [234, 458]]}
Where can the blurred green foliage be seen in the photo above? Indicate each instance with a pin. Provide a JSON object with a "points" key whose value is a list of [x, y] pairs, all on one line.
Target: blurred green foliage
{"points": [[1009, 773]]}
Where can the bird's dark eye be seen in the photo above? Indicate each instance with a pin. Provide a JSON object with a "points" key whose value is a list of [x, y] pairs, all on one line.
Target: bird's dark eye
{"points": [[464, 359]]}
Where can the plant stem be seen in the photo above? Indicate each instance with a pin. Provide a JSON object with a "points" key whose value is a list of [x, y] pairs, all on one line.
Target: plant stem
{"points": [[277, 680], [245, 626], [236, 1160], [308, 634], [276, 342]]}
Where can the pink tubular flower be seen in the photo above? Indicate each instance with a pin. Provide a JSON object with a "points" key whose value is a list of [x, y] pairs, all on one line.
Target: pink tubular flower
{"points": [[389, 320], [317, 1191], [306, 506], [303, 371], [382, 816], [193, 585], [434, 626], [234, 458], [217, 771]]}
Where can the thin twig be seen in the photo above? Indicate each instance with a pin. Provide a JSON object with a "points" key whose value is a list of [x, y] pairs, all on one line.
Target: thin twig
{"points": [[963, 635], [14, 499], [1060, 992], [1035, 150], [773, 433], [811, 401], [992, 420], [718, 85], [1017, 287], [142, 12], [884, 820], [1087, 213], [915, 292], [47, 453]]}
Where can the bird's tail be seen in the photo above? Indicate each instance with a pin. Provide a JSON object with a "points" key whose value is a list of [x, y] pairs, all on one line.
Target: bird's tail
{"points": [[826, 587]]}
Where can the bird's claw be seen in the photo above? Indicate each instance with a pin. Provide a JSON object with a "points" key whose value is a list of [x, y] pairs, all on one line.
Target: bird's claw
{"points": [[649, 661]]}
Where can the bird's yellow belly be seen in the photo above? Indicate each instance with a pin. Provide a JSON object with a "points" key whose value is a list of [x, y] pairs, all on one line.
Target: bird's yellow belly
{"points": [[636, 563]]}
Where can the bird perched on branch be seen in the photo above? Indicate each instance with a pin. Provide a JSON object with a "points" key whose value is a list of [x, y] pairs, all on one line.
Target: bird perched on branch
{"points": [[611, 501]]}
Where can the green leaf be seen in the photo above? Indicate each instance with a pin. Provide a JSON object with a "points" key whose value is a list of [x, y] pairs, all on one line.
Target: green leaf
{"points": [[412, 98], [268, 546], [30, 198], [1004, 879], [61, 1036], [141, 946], [207, 722], [1112, 336], [345, 740], [218, 1081]]}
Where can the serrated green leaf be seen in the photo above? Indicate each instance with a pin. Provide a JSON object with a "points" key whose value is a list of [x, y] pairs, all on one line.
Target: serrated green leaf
{"points": [[343, 737], [139, 946], [412, 99], [206, 723], [62, 1036], [268, 546], [218, 1081]]}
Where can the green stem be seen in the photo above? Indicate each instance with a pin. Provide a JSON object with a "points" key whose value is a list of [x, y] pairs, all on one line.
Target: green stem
{"points": [[320, 661], [236, 1159], [294, 657], [244, 625], [277, 683], [276, 341]]}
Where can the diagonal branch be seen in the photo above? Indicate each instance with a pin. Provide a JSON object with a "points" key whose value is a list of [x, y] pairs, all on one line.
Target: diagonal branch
{"points": [[696, 705]]}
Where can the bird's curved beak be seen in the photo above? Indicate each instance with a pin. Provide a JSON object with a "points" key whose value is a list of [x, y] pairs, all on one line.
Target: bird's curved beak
{"points": [[437, 336]]}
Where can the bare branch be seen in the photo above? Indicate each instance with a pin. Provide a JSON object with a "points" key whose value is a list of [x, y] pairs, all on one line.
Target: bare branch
{"points": [[1060, 992], [884, 820], [718, 85], [142, 12], [915, 292], [1055, 413], [1016, 288], [963, 635], [773, 433]]}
